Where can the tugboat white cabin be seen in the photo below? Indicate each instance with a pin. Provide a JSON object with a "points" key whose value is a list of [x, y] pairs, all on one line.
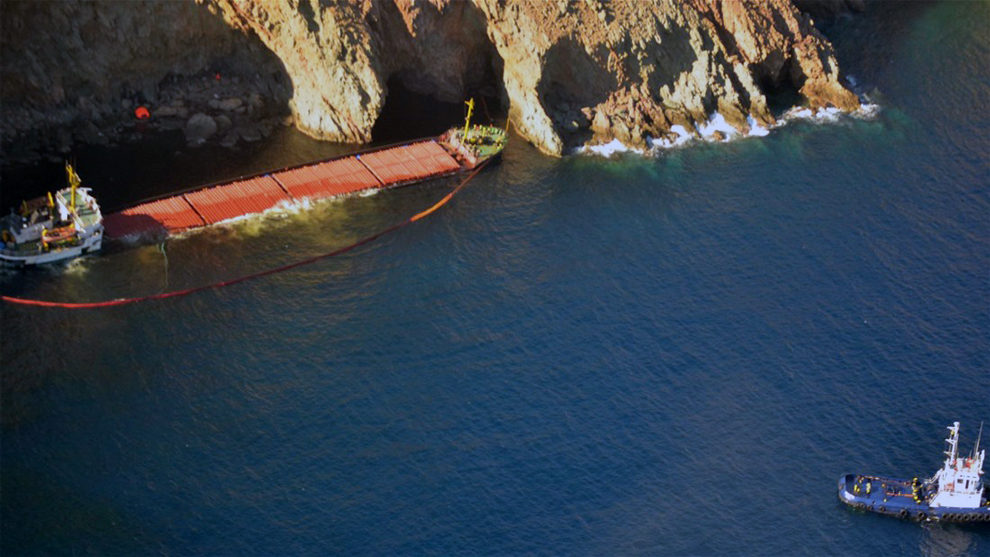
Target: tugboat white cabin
{"points": [[959, 482]]}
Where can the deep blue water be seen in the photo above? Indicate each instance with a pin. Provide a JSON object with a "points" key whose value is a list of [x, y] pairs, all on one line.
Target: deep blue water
{"points": [[586, 356]]}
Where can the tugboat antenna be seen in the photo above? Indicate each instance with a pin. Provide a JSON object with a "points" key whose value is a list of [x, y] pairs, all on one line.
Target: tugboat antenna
{"points": [[976, 448]]}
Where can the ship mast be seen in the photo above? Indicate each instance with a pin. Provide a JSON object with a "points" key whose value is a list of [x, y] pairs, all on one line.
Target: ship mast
{"points": [[976, 448], [467, 121], [953, 441], [74, 181]]}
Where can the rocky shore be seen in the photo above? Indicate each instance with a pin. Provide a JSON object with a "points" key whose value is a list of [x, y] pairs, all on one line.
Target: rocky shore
{"points": [[74, 73], [206, 109], [569, 72]]}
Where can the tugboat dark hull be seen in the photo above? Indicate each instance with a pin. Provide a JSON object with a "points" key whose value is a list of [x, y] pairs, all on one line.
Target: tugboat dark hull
{"points": [[905, 499]]}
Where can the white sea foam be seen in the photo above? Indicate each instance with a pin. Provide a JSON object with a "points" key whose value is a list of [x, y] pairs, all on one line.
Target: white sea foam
{"points": [[755, 129], [77, 266], [608, 149], [825, 115], [866, 111], [683, 136], [799, 113], [717, 123]]}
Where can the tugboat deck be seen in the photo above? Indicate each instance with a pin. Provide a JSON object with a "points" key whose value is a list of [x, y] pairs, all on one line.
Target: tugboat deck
{"points": [[956, 493]]}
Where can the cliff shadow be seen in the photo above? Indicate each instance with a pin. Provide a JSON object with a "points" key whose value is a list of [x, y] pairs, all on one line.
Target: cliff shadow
{"points": [[572, 83], [782, 90]]}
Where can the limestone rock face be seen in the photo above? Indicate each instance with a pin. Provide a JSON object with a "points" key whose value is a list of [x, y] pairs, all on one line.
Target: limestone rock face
{"points": [[340, 56], [571, 71], [329, 56]]}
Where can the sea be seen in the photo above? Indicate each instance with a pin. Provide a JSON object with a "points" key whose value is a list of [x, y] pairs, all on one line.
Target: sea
{"points": [[667, 354]]}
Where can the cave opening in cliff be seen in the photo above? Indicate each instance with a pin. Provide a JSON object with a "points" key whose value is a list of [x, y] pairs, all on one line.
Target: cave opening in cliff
{"points": [[408, 114], [434, 63], [781, 91], [572, 84]]}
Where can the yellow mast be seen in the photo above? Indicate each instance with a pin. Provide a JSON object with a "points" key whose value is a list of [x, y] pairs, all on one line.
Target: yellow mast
{"points": [[467, 121], [74, 181]]}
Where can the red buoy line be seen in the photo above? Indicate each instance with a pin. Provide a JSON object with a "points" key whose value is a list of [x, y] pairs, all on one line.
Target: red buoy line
{"points": [[178, 293]]}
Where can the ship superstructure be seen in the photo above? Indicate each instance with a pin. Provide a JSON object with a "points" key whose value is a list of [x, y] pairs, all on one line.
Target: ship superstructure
{"points": [[53, 227]]}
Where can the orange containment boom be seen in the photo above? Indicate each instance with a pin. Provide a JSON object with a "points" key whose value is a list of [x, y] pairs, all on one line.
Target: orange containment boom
{"points": [[388, 167]]}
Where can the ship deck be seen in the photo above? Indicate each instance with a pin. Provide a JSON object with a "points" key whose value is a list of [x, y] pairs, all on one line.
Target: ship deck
{"points": [[897, 497], [386, 167]]}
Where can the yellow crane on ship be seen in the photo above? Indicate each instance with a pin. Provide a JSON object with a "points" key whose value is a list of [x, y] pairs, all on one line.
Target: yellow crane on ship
{"points": [[467, 120]]}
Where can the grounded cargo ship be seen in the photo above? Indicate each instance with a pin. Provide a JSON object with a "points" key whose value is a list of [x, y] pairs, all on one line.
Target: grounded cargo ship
{"points": [[54, 227], [457, 150], [954, 494]]}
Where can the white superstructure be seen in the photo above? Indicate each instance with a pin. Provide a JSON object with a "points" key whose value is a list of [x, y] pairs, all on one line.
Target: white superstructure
{"points": [[959, 480], [53, 228]]}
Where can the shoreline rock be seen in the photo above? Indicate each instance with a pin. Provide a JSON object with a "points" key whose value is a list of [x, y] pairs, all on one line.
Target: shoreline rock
{"points": [[569, 73]]}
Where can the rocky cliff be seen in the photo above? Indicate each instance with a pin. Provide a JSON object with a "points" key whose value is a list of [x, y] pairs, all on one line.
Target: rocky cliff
{"points": [[73, 71], [569, 71]]}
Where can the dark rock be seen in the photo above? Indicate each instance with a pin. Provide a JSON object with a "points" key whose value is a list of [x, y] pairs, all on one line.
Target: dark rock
{"points": [[165, 111], [223, 123], [64, 140], [230, 139], [230, 104], [88, 133], [256, 101], [170, 124], [250, 132], [199, 128]]}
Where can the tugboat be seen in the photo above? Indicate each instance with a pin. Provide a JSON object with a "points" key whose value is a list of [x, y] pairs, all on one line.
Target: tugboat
{"points": [[53, 228], [956, 493]]}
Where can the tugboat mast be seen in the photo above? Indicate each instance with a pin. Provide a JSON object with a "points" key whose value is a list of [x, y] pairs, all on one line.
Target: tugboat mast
{"points": [[953, 442], [976, 448]]}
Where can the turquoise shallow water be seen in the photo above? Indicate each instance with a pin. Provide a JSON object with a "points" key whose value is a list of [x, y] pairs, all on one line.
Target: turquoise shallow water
{"points": [[671, 356]]}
